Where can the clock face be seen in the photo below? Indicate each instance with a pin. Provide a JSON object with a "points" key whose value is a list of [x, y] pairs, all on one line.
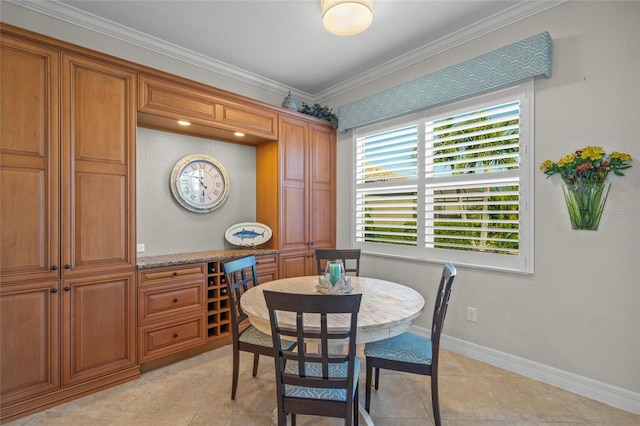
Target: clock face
{"points": [[199, 183]]}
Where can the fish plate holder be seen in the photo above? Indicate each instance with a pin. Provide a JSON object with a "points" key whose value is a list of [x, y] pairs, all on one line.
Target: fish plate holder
{"points": [[218, 309]]}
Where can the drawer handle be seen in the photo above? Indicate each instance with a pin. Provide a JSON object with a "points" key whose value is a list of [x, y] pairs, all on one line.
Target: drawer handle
{"points": [[67, 288], [175, 274], [175, 335], [175, 300], [54, 290]]}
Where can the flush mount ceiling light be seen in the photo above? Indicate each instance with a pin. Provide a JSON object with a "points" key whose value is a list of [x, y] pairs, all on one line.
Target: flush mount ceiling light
{"points": [[346, 17]]}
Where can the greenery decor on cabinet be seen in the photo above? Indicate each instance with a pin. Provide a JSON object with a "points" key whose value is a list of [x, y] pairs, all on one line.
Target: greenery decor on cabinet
{"points": [[584, 173], [316, 110]]}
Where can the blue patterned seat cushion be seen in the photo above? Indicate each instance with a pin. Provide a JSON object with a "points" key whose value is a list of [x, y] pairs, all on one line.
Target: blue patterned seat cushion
{"points": [[315, 369], [406, 347], [256, 337]]}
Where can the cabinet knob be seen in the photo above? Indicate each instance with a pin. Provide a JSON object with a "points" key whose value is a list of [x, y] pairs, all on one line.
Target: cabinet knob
{"points": [[175, 274], [54, 290], [175, 300], [54, 268], [67, 288], [175, 335], [67, 266]]}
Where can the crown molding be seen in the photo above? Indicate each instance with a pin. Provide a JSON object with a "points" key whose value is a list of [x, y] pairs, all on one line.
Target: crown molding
{"points": [[77, 17]]}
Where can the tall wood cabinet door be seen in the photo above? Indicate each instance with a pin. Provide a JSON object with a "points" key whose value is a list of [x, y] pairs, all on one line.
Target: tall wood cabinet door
{"points": [[294, 209], [322, 187], [98, 158], [29, 342], [29, 155], [98, 326]]}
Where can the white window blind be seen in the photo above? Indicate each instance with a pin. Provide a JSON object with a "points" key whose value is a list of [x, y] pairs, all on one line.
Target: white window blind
{"points": [[450, 184], [387, 182]]}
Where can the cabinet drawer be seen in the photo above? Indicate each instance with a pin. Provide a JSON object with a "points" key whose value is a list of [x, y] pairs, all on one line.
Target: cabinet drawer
{"points": [[175, 273], [162, 301], [170, 337], [266, 261]]}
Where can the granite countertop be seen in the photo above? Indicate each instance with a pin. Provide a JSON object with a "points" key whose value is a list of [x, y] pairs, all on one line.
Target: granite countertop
{"points": [[199, 257]]}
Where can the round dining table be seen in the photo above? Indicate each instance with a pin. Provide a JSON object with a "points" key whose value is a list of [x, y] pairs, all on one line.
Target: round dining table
{"points": [[386, 310]]}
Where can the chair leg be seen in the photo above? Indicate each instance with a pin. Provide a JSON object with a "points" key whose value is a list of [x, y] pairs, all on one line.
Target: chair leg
{"points": [[367, 391], [435, 402], [256, 358], [377, 377], [293, 419], [355, 404], [236, 368]]}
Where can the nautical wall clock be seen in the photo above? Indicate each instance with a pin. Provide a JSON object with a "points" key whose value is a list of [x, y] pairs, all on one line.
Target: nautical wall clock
{"points": [[200, 183]]}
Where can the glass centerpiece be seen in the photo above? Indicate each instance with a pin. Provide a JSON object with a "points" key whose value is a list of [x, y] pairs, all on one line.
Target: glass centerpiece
{"points": [[334, 280]]}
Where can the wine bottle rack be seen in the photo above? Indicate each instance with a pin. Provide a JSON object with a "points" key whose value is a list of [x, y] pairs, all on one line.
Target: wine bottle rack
{"points": [[218, 309]]}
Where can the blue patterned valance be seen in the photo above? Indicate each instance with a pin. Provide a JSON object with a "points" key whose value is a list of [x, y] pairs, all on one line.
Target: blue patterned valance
{"points": [[518, 61]]}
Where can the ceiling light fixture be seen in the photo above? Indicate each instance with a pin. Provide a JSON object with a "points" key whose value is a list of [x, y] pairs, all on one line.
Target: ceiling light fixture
{"points": [[346, 17]]}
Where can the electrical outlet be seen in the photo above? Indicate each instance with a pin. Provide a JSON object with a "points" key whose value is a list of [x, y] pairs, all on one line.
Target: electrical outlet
{"points": [[471, 314], [140, 248]]}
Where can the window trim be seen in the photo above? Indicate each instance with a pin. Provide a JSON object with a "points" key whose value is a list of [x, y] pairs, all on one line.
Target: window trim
{"points": [[523, 263]]}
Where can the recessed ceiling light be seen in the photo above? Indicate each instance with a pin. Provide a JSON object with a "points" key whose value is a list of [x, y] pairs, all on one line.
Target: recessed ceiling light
{"points": [[239, 134], [184, 123]]}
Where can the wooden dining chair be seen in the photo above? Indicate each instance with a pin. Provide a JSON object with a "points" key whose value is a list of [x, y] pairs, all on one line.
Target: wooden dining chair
{"points": [[241, 276], [322, 381], [350, 259], [412, 353]]}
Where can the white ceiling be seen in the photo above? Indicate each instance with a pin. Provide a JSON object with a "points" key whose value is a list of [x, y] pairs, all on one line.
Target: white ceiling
{"points": [[282, 45]]}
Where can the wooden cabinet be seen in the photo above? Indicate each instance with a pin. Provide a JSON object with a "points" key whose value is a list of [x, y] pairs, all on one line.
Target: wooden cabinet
{"points": [[98, 166], [296, 197], [172, 308], [186, 306], [98, 323], [29, 161], [67, 237], [267, 268], [211, 112], [29, 342]]}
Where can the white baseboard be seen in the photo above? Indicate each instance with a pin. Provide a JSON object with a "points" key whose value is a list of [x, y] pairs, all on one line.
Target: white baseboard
{"points": [[608, 394]]}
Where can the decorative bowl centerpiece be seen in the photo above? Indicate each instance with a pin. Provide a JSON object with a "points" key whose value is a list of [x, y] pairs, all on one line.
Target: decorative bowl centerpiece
{"points": [[334, 280]]}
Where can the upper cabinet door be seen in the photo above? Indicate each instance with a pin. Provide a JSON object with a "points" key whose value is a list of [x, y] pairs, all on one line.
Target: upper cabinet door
{"points": [[29, 155], [322, 186], [98, 166], [294, 166]]}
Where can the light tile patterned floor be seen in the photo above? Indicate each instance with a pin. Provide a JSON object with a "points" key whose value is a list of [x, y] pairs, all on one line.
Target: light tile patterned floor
{"points": [[196, 392]]}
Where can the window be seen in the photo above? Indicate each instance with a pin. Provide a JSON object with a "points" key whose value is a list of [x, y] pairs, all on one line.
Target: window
{"points": [[451, 183]]}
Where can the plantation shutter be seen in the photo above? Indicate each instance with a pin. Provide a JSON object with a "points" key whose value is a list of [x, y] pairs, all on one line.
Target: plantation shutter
{"points": [[386, 202], [472, 180], [450, 184]]}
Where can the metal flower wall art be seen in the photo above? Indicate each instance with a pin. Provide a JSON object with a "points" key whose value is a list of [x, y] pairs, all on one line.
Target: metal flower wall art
{"points": [[585, 188]]}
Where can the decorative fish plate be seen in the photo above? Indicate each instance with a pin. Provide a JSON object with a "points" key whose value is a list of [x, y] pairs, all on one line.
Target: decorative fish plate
{"points": [[248, 234]]}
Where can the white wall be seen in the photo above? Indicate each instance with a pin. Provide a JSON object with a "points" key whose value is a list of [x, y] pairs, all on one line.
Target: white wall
{"points": [[163, 225], [580, 311]]}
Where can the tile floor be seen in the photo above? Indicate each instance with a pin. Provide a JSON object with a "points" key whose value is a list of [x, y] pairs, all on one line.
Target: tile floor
{"points": [[196, 392]]}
